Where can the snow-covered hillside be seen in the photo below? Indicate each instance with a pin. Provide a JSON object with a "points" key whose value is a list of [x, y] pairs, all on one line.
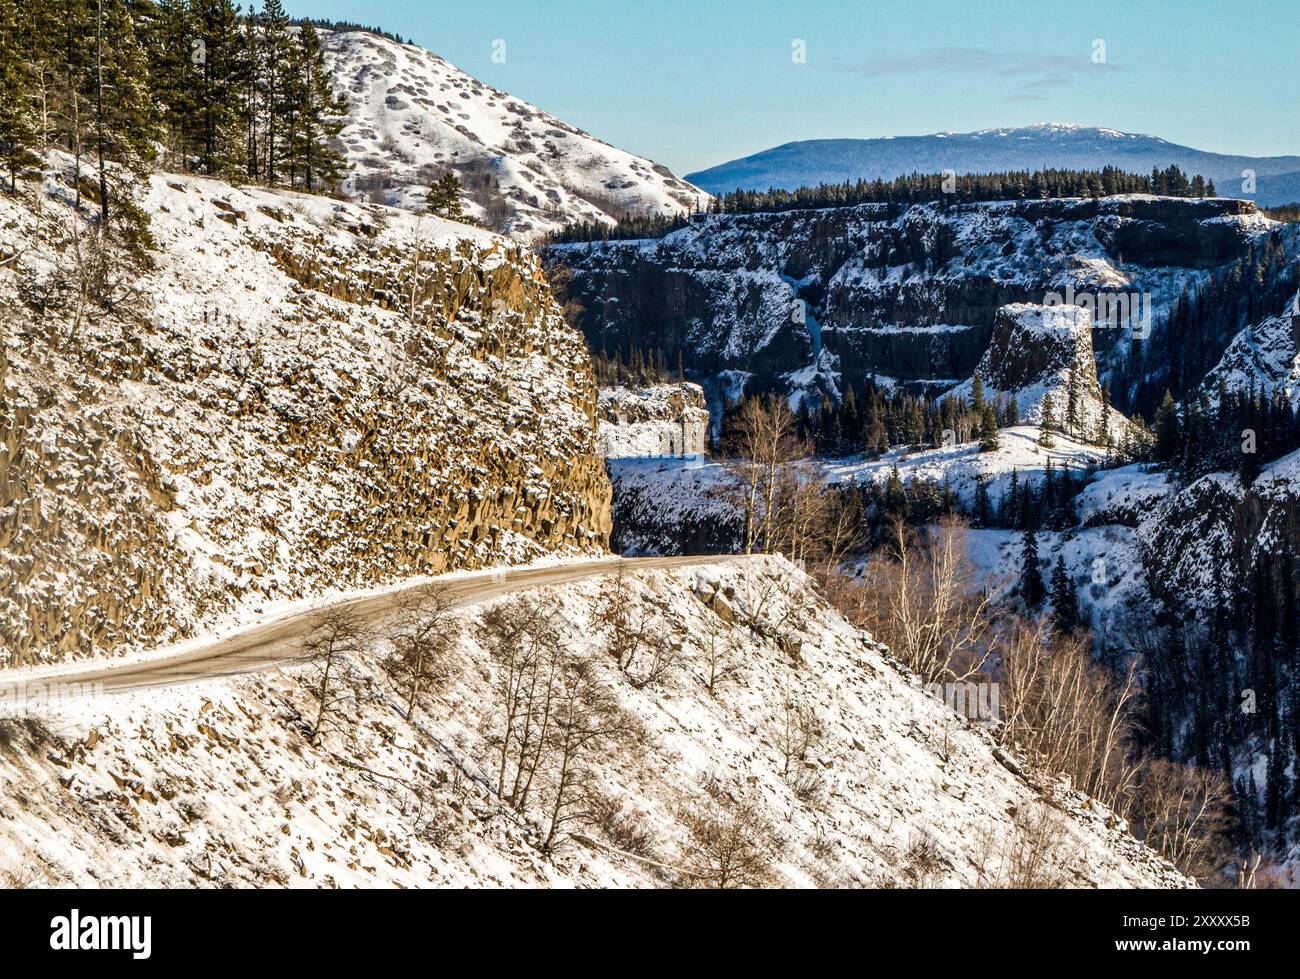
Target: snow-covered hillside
{"points": [[412, 116], [217, 784], [284, 394], [1263, 358]]}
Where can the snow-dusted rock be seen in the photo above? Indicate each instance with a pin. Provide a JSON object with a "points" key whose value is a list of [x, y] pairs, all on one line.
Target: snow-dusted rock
{"points": [[312, 394]]}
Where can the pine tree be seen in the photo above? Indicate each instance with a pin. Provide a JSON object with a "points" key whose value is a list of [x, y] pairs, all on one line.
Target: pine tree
{"points": [[17, 129], [1031, 579], [125, 125], [982, 509], [444, 197], [1065, 603], [39, 26], [988, 431], [1072, 422], [1168, 429], [1045, 436], [171, 65], [275, 49], [215, 120], [317, 114], [250, 80]]}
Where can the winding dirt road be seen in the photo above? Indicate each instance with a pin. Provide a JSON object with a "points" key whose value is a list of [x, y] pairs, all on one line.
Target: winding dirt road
{"points": [[266, 646]]}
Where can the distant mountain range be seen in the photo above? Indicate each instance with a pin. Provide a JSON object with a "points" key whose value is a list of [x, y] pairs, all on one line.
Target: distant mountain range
{"points": [[815, 161]]}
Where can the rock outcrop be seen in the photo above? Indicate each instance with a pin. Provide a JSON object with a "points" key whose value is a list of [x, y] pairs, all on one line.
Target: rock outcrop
{"points": [[1041, 357], [289, 395]]}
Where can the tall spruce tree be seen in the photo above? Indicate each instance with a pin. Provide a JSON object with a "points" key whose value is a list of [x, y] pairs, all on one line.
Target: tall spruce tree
{"points": [[17, 126], [316, 113], [125, 127], [1031, 579], [273, 81], [214, 119], [1065, 603], [988, 430]]}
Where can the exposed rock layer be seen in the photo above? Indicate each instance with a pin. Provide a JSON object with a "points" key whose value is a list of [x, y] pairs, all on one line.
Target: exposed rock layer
{"points": [[295, 395]]}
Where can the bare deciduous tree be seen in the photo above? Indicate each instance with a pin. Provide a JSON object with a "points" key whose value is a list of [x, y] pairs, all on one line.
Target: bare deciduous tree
{"points": [[634, 635], [1032, 856], [555, 713], [588, 720], [732, 844], [720, 653], [336, 634], [797, 731], [522, 635], [1181, 812], [1065, 713], [762, 444], [425, 633], [917, 601]]}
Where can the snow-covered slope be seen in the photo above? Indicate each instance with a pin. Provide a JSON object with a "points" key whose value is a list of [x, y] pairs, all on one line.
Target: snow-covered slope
{"points": [[1264, 357], [286, 394], [1019, 455], [217, 785], [412, 116]]}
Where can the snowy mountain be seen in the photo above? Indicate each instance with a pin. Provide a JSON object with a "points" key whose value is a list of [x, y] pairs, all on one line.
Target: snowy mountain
{"points": [[1062, 146], [413, 116]]}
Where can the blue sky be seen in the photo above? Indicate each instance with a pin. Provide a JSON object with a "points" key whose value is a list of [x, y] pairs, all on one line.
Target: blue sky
{"points": [[691, 85]]}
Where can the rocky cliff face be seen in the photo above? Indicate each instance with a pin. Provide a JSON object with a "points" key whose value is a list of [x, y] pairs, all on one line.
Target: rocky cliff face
{"points": [[286, 394], [1264, 357], [1042, 357], [911, 296]]}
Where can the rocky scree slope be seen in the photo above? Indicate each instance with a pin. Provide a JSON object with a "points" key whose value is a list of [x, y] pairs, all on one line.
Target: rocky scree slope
{"points": [[216, 784], [910, 296], [412, 116], [287, 394]]}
